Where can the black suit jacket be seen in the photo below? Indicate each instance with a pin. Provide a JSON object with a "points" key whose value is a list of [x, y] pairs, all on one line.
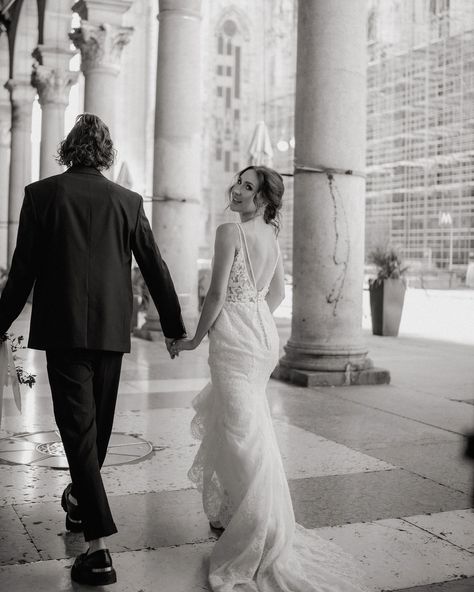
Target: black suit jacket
{"points": [[76, 237]]}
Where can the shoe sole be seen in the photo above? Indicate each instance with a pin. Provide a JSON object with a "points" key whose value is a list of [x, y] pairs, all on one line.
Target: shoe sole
{"points": [[73, 526], [216, 528], [97, 579]]}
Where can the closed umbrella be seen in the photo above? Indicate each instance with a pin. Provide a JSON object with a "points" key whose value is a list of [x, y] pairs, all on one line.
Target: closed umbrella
{"points": [[260, 149]]}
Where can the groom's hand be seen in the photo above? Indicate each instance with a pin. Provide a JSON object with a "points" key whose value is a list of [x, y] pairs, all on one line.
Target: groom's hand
{"points": [[169, 342]]}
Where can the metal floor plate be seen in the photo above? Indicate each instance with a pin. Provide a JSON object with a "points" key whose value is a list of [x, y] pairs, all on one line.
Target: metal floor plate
{"points": [[45, 449]]}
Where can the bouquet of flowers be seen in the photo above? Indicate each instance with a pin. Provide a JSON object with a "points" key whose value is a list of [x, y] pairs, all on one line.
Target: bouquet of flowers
{"points": [[11, 372]]}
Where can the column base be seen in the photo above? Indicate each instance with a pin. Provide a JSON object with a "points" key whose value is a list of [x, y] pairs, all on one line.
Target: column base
{"points": [[350, 377]]}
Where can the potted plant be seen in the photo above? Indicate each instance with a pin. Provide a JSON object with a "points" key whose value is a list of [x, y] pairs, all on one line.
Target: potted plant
{"points": [[387, 290]]}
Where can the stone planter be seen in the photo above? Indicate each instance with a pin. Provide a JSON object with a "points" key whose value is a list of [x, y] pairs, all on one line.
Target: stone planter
{"points": [[386, 305]]}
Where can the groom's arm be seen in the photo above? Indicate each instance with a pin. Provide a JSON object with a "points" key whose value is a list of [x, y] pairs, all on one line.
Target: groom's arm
{"points": [[22, 274], [157, 277]]}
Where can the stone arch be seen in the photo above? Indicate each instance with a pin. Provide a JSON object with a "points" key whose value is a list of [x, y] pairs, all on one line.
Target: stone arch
{"points": [[234, 14], [24, 34]]}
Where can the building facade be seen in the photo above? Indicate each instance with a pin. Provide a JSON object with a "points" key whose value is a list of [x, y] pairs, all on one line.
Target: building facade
{"points": [[420, 130]]}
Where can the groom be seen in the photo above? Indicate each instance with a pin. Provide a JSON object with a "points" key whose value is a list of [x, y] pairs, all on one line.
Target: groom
{"points": [[76, 237]]}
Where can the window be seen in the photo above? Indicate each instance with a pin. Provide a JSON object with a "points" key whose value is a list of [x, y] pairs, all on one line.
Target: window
{"points": [[220, 70], [219, 91], [237, 73], [220, 45], [227, 98], [227, 161]]}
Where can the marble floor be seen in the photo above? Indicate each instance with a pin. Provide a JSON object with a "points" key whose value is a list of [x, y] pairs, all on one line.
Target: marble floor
{"points": [[377, 469]]}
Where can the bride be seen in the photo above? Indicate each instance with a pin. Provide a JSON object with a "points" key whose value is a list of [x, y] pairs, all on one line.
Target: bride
{"points": [[238, 466]]}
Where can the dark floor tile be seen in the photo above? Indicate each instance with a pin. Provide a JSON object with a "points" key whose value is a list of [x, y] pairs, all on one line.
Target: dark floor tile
{"points": [[442, 462], [160, 400], [165, 371], [463, 585], [357, 426], [364, 497]]}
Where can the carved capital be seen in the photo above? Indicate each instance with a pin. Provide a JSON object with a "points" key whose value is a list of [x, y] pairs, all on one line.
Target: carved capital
{"points": [[100, 45], [22, 95], [53, 85]]}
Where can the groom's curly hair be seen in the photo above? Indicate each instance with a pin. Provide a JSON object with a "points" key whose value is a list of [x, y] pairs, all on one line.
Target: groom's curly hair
{"points": [[87, 144]]}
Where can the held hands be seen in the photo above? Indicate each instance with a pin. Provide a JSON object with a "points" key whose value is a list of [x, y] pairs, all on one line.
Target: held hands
{"points": [[181, 345]]}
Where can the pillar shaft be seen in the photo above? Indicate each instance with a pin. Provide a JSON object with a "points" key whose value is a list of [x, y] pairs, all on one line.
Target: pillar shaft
{"points": [[326, 333], [176, 170], [53, 85], [5, 139], [53, 125], [22, 95], [101, 47]]}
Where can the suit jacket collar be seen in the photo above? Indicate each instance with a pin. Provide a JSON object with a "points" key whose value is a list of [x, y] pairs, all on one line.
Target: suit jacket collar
{"points": [[87, 170]]}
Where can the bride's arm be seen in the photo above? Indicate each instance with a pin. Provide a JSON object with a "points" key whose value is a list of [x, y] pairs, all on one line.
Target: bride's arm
{"points": [[276, 291], [224, 251]]}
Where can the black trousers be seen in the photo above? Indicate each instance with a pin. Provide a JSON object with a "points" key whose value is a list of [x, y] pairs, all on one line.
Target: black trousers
{"points": [[84, 385]]}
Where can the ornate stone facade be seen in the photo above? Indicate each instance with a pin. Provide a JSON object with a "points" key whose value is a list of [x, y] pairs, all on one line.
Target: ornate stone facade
{"points": [[53, 85]]}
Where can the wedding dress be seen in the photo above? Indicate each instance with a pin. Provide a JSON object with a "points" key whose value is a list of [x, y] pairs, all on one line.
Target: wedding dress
{"points": [[238, 467]]}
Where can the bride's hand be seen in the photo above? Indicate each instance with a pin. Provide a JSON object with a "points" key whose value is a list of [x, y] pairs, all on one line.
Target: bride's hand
{"points": [[183, 345]]}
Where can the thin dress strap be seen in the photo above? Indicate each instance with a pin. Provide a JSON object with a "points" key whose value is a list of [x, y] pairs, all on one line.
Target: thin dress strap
{"points": [[247, 256], [240, 233]]}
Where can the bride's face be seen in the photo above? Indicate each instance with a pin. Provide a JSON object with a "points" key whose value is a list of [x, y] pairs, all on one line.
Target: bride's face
{"points": [[243, 192]]}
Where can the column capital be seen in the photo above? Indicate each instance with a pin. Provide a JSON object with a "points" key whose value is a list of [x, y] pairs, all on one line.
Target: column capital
{"points": [[100, 45], [22, 95], [20, 90], [52, 84]]}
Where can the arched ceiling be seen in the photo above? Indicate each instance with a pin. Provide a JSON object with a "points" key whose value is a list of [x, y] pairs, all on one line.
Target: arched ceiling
{"points": [[22, 22]]}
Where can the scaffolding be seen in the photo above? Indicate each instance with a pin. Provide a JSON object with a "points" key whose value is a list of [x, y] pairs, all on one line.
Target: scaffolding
{"points": [[420, 131]]}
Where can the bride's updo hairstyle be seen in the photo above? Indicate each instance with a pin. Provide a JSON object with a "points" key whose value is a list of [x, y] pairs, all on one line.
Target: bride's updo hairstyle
{"points": [[271, 189]]}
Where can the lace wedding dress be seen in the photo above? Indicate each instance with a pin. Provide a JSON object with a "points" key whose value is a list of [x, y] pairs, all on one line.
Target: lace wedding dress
{"points": [[238, 466]]}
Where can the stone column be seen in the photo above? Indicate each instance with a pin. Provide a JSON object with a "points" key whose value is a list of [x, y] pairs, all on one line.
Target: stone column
{"points": [[22, 95], [101, 45], [5, 125], [326, 345], [53, 85], [176, 170]]}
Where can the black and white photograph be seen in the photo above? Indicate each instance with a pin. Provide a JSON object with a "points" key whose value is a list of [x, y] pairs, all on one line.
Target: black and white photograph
{"points": [[237, 295]]}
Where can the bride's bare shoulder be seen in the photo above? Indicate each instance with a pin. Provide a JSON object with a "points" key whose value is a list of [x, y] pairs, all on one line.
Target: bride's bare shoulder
{"points": [[227, 234]]}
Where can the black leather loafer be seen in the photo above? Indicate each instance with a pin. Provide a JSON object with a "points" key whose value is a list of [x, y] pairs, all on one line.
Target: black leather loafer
{"points": [[73, 513], [94, 570]]}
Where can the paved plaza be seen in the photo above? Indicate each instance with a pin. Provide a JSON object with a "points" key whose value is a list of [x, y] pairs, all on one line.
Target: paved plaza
{"points": [[377, 469]]}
